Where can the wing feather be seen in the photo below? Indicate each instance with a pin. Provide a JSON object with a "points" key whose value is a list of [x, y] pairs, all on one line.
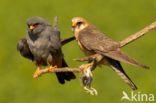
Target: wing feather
{"points": [[23, 48], [94, 40]]}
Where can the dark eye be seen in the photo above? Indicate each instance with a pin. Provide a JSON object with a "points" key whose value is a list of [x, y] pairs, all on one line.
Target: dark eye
{"points": [[79, 23], [36, 24]]}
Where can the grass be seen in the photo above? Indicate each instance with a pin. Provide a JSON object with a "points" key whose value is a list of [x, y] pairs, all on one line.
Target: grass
{"points": [[117, 19]]}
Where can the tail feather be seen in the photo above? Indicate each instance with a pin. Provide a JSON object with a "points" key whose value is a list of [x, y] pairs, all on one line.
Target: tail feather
{"points": [[116, 66], [65, 75], [120, 56]]}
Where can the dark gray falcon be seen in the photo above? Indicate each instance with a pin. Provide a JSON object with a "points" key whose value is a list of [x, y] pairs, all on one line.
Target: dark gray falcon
{"points": [[92, 41], [43, 46]]}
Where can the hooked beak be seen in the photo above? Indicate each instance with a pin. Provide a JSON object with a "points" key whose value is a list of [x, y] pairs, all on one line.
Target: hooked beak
{"points": [[31, 27], [73, 26]]}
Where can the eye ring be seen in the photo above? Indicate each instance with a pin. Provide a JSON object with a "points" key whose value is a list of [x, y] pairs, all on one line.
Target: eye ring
{"points": [[79, 23], [36, 24]]}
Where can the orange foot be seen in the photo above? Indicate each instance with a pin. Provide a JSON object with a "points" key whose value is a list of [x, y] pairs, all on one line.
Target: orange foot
{"points": [[51, 68], [37, 73], [85, 67]]}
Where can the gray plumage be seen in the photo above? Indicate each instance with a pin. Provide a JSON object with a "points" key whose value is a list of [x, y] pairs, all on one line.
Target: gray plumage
{"points": [[23, 48], [43, 46]]}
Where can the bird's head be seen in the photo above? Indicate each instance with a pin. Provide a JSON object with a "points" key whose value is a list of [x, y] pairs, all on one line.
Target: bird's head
{"points": [[36, 25], [79, 23]]}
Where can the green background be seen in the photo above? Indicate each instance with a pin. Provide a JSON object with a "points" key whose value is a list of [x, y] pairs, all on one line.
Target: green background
{"points": [[116, 18]]}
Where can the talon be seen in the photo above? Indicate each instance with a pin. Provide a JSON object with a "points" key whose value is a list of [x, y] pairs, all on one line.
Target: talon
{"points": [[86, 79], [37, 73], [51, 68], [85, 67]]}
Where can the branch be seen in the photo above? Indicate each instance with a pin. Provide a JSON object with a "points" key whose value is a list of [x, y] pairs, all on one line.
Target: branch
{"points": [[84, 69], [67, 40], [54, 70], [81, 69], [137, 35]]}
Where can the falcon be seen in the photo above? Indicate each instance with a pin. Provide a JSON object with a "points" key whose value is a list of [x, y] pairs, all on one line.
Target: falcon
{"points": [[42, 45], [94, 42]]}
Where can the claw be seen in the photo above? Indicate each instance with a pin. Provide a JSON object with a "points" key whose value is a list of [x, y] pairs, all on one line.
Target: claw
{"points": [[86, 79], [37, 73], [51, 68]]}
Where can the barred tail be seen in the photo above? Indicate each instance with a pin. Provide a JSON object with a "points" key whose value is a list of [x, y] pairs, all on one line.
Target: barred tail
{"points": [[116, 66]]}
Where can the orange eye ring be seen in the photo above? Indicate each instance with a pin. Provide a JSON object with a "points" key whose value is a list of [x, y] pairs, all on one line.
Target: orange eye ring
{"points": [[32, 27]]}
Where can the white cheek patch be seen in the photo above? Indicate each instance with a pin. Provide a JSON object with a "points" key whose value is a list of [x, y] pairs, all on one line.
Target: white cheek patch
{"points": [[80, 28]]}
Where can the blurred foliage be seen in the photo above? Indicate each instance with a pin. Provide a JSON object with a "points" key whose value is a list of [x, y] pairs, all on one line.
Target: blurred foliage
{"points": [[116, 18]]}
